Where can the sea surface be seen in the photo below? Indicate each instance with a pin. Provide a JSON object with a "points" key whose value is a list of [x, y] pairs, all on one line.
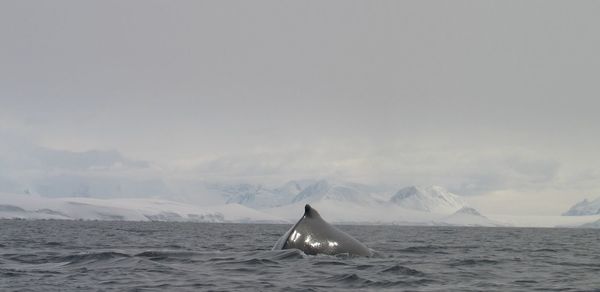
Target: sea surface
{"points": [[163, 256]]}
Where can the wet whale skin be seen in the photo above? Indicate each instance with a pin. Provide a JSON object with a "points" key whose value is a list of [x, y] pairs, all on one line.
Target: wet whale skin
{"points": [[313, 235]]}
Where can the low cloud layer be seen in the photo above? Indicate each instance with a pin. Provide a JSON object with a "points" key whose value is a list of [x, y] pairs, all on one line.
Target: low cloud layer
{"points": [[26, 167]]}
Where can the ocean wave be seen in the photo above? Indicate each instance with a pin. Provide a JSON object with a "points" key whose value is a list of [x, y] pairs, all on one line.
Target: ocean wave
{"points": [[91, 257], [96, 256], [402, 270], [473, 262]]}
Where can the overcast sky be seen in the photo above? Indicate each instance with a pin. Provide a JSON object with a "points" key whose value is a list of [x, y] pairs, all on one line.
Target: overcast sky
{"points": [[498, 100]]}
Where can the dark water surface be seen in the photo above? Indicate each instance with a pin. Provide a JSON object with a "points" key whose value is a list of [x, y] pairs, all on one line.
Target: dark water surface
{"points": [[136, 256]]}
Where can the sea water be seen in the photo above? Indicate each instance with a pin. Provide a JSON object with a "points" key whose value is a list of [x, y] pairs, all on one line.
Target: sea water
{"points": [[168, 256]]}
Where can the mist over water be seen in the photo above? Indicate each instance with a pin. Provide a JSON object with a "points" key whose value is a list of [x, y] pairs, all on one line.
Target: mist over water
{"points": [[122, 256]]}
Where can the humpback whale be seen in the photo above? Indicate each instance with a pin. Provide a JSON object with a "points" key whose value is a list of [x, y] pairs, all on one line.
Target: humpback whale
{"points": [[313, 235]]}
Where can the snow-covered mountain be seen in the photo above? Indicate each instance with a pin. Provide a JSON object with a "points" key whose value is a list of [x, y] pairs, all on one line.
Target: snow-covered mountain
{"points": [[433, 199], [333, 191], [328, 197], [344, 203], [293, 187], [355, 203], [292, 192], [468, 216], [260, 196], [254, 196], [584, 207], [346, 212]]}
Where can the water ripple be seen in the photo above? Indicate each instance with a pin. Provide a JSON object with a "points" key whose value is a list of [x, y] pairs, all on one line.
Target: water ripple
{"points": [[129, 256]]}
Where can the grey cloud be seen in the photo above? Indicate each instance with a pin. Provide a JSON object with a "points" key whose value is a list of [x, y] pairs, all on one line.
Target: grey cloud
{"points": [[534, 170], [87, 160], [97, 186], [509, 171], [21, 153], [222, 72], [277, 89]]}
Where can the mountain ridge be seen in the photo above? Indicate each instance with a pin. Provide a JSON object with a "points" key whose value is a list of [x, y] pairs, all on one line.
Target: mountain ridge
{"points": [[584, 207], [434, 199]]}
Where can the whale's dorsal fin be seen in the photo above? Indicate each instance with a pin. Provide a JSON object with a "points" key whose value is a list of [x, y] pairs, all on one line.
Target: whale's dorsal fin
{"points": [[313, 235], [307, 210], [310, 212]]}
